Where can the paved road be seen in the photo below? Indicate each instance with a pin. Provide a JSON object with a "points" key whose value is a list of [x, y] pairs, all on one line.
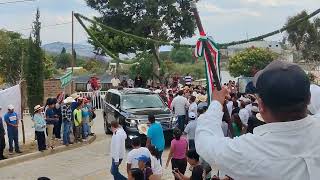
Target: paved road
{"points": [[91, 162]]}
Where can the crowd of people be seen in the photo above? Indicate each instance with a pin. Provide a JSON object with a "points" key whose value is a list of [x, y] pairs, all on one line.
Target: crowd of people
{"points": [[66, 118], [220, 136]]}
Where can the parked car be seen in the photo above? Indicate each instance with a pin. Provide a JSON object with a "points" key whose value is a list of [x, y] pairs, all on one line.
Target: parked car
{"points": [[131, 107]]}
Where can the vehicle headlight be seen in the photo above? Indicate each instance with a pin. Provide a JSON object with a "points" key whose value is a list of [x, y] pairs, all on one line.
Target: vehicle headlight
{"points": [[133, 123]]}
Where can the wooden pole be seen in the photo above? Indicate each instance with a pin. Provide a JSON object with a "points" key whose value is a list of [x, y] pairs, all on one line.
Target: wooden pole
{"points": [[72, 43], [21, 113]]}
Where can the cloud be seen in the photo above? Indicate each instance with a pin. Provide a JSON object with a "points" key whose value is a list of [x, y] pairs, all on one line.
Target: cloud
{"points": [[209, 8], [272, 3]]}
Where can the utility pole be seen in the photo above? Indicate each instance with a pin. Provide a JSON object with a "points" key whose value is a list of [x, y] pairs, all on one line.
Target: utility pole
{"points": [[72, 45]]}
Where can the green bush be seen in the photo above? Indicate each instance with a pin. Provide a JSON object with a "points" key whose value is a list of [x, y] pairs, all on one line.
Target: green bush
{"points": [[246, 63]]}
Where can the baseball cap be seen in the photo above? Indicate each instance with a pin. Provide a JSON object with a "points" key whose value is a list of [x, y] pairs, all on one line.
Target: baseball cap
{"points": [[143, 158], [10, 107], [192, 115], [282, 84]]}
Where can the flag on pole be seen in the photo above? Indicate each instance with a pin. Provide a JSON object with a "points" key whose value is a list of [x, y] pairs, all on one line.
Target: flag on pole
{"points": [[215, 53]]}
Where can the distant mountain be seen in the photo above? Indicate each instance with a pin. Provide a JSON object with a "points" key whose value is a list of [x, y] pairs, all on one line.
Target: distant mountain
{"points": [[84, 50]]}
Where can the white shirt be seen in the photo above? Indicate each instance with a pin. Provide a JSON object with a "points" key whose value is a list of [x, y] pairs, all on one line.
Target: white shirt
{"points": [[249, 109], [180, 104], [276, 151], [156, 166], [135, 153], [193, 108], [230, 107], [244, 116], [115, 82], [190, 129], [117, 146]]}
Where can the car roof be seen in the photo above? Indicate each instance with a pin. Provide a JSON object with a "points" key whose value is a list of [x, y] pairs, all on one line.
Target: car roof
{"points": [[130, 91]]}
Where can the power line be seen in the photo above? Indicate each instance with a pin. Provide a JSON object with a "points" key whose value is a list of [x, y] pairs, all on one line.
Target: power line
{"points": [[46, 26], [18, 1]]}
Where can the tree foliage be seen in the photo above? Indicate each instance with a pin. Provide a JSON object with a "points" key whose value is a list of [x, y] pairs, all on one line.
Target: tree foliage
{"points": [[12, 48], [63, 60], [182, 55], [49, 68], [248, 62], [305, 37], [35, 66], [95, 66], [161, 20]]}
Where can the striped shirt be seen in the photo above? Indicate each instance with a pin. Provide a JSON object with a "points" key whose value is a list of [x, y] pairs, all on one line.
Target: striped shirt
{"points": [[188, 80]]}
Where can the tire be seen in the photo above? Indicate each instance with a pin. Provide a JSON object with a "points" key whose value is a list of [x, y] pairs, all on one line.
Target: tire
{"points": [[107, 127]]}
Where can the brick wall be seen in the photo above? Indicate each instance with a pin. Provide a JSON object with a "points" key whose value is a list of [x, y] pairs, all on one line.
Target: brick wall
{"points": [[52, 88]]}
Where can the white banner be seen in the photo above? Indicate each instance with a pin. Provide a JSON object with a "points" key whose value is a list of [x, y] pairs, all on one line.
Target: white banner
{"points": [[12, 96]]}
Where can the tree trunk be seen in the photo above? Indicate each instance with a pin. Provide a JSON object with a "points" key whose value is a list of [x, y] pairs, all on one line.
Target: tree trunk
{"points": [[156, 64]]}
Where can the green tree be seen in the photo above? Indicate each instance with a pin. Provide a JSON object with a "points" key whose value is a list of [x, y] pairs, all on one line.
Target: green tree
{"points": [[248, 62], [63, 61], [181, 55], [162, 20], [35, 66], [305, 37], [49, 69], [12, 48], [95, 66]]}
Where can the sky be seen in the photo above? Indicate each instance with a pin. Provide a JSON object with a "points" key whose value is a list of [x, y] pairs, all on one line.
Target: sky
{"points": [[224, 20]]}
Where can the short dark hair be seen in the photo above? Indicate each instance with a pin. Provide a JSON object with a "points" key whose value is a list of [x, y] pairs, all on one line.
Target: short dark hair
{"points": [[137, 173], [136, 142], [151, 118], [192, 98], [192, 154], [114, 124], [43, 178], [180, 92], [177, 133]]}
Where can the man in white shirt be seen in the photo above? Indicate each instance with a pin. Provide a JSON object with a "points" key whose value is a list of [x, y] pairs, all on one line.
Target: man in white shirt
{"points": [[136, 152], [193, 105], [117, 149], [286, 148], [179, 105], [115, 81]]}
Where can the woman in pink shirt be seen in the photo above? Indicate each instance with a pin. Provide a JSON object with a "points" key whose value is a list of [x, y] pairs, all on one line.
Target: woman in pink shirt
{"points": [[178, 150]]}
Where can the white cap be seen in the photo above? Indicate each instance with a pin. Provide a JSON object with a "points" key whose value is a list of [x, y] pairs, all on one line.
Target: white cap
{"points": [[11, 107], [192, 115], [255, 109]]}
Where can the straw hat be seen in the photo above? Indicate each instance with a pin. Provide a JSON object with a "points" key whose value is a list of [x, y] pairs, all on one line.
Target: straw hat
{"points": [[75, 96], [143, 128], [68, 100], [202, 98], [10, 107], [37, 108], [259, 117]]}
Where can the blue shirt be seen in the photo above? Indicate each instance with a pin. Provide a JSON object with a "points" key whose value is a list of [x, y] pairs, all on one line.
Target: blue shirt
{"points": [[155, 133], [50, 114], [85, 112], [40, 123], [11, 118]]}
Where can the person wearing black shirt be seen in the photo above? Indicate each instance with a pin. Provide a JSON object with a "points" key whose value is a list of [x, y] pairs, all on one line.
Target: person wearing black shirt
{"points": [[197, 169], [253, 121], [138, 82]]}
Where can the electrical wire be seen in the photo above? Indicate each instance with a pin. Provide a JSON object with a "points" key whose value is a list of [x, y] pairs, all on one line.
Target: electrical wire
{"points": [[14, 2]]}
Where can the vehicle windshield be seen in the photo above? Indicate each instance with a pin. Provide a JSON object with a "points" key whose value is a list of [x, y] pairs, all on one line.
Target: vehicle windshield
{"points": [[140, 101]]}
